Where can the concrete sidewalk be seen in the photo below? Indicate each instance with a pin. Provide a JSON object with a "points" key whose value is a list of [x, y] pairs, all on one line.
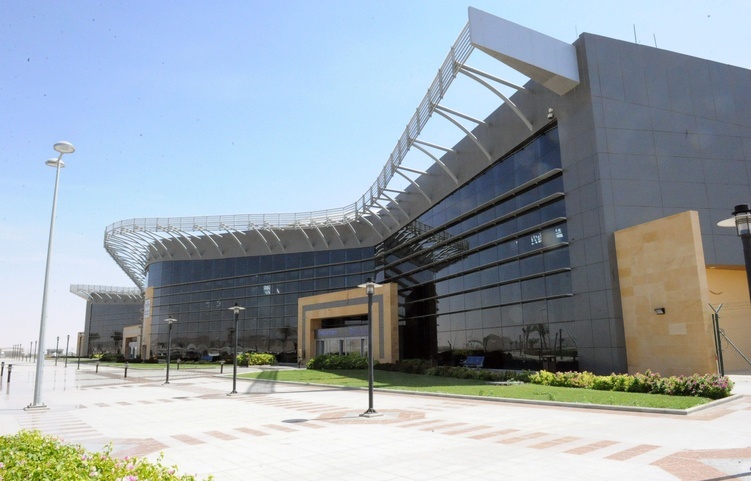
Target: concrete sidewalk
{"points": [[274, 431]]}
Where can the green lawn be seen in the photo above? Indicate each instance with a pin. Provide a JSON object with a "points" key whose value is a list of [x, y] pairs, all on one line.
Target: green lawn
{"points": [[416, 382]]}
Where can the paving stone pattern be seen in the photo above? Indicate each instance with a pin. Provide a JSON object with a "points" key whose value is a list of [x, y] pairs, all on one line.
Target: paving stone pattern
{"points": [[279, 431]]}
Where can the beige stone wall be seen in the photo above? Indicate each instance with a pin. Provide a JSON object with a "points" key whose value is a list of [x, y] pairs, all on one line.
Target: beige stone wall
{"points": [[728, 286], [311, 311], [146, 340], [129, 334], [661, 264]]}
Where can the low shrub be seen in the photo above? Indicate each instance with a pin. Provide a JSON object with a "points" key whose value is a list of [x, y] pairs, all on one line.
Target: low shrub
{"points": [[585, 380], [30, 455], [329, 362], [710, 386], [421, 366], [110, 357], [256, 359], [411, 366]]}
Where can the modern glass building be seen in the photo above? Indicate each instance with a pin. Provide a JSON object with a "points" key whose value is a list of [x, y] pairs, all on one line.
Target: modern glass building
{"points": [[198, 293], [109, 310], [487, 268], [574, 225]]}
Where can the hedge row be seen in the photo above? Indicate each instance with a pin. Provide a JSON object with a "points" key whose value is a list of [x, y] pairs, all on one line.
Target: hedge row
{"points": [[710, 386], [329, 362], [421, 366]]}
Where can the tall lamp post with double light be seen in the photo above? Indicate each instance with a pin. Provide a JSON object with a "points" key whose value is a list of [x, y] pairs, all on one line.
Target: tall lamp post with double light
{"points": [[742, 221], [62, 148], [236, 309], [169, 321], [370, 287]]}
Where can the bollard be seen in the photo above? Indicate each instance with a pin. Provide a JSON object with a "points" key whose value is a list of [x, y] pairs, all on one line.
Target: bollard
{"points": [[221, 367], [2, 369], [97, 367], [10, 368], [126, 371]]}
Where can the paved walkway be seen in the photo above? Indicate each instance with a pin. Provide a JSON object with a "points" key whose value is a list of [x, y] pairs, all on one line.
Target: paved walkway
{"points": [[274, 431]]}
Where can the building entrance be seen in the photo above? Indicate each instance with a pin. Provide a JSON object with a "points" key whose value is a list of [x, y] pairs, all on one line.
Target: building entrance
{"points": [[337, 322], [342, 336]]}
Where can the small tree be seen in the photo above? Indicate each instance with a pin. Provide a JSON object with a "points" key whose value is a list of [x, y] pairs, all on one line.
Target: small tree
{"points": [[117, 336]]}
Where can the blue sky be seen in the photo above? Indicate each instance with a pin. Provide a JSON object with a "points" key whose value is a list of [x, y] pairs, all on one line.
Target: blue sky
{"points": [[233, 107]]}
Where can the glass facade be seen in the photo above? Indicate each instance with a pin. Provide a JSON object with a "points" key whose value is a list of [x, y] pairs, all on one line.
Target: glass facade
{"points": [[199, 294], [105, 322], [486, 271]]}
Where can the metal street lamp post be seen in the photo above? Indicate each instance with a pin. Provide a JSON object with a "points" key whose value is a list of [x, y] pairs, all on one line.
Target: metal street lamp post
{"points": [[742, 214], [67, 344], [369, 290], [741, 220], [169, 321], [236, 309], [62, 148]]}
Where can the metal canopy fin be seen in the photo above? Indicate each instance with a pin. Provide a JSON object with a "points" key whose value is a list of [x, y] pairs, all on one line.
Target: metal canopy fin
{"points": [[466, 131], [354, 232], [252, 226], [315, 226], [395, 203], [416, 186], [332, 226], [385, 209], [437, 161], [488, 76], [229, 231], [305, 234], [377, 216], [270, 230], [508, 101], [459, 114], [201, 229]]}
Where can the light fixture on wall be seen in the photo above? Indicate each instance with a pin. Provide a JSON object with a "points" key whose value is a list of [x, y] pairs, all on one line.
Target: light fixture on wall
{"points": [[659, 311], [551, 114]]}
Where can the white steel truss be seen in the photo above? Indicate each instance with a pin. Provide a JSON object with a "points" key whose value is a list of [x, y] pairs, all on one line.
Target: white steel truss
{"points": [[134, 243]]}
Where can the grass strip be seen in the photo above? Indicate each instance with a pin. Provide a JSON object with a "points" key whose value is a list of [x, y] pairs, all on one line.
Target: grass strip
{"points": [[422, 383]]}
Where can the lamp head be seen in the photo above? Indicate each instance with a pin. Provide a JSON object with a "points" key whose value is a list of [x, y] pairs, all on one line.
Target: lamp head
{"points": [[54, 163], [236, 309], [742, 214], [369, 286], [64, 147]]}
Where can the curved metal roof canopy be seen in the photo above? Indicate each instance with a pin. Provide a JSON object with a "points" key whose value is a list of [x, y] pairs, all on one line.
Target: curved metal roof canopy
{"points": [[134, 243], [106, 293]]}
